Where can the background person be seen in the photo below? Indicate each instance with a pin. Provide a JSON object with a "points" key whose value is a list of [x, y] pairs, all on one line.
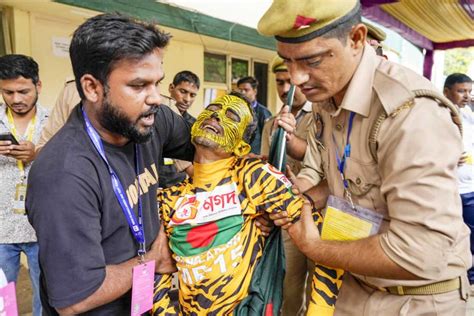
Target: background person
{"points": [[248, 86], [375, 37], [23, 117], [299, 269], [458, 89], [183, 91], [67, 99]]}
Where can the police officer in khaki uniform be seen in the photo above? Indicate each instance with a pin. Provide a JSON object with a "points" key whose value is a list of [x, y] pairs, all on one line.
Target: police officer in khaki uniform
{"points": [[301, 110], [399, 153], [299, 269], [68, 98], [375, 37]]}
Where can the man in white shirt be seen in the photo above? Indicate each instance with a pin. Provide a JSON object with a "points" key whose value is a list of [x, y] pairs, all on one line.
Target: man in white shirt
{"points": [[458, 89]]}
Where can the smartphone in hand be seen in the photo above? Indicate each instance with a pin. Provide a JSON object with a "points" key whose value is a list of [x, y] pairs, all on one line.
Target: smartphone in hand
{"points": [[10, 137]]}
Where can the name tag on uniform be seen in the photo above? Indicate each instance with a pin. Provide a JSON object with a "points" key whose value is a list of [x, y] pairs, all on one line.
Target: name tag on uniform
{"points": [[19, 201], [344, 222], [142, 288], [8, 306]]}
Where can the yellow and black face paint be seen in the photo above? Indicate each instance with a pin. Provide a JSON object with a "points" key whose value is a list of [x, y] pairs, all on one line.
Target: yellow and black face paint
{"points": [[233, 115]]}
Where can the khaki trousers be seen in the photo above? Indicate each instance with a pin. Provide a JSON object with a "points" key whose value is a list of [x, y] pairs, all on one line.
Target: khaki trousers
{"points": [[298, 277], [360, 300]]}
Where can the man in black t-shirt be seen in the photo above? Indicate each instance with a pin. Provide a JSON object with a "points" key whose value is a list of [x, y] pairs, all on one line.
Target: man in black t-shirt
{"points": [[87, 249]]}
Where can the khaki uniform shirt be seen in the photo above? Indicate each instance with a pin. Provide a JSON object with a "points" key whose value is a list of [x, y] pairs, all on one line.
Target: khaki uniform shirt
{"points": [[413, 181], [68, 98], [303, 122]]}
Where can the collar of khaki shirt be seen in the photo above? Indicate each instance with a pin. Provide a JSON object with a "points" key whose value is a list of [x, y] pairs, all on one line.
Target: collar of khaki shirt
{"points": [[307, 108]]}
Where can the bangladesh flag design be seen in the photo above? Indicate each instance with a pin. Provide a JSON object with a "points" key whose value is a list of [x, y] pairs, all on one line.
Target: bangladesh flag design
{"points": [[190, 240]]}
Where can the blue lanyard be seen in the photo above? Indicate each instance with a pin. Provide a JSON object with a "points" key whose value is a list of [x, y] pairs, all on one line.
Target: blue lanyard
{"points": [[341, 160], [136, 226]]}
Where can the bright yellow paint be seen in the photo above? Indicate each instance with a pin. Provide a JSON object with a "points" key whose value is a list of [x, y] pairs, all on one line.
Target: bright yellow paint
{"points": [[232, 139]]}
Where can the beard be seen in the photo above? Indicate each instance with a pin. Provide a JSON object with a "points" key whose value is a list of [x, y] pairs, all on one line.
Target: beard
{"points": [[28, 107], [115, 121]]}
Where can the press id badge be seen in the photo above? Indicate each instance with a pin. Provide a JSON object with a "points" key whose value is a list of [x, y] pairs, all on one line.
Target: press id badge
{"points": [[342, 221], [19, 201], [142, 288], [8, 303]]}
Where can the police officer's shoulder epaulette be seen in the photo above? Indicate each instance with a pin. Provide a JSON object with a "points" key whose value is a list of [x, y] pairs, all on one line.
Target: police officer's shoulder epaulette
{"points": [[393, 94], [396, 97]]}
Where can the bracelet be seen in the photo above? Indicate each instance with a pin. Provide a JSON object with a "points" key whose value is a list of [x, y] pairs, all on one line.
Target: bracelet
{"points": [[310, 200]]}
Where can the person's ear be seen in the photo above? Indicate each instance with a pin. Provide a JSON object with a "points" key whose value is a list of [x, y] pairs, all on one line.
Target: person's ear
{"points": [[358, 36], [92, 88], [445, 91], [39, 85], [241, 149], [170, 87]]}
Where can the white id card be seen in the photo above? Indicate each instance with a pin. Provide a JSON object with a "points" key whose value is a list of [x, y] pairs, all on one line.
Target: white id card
{"points": [[19, 201]]}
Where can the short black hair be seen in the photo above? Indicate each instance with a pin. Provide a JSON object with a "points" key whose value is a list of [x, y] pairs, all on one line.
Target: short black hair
{"points": [[342, 31], [14, 66], [186, 76], [252, 126], [455, 78], [101, 41], [251, 80]]}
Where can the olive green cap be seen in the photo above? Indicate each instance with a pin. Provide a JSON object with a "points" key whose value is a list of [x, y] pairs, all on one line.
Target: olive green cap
{"points": [[375, 33], [297, 21], [278, 64]]}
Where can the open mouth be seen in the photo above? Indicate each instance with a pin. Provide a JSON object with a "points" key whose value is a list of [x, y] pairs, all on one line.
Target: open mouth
{"points": [[212, 127], [148, 120]]}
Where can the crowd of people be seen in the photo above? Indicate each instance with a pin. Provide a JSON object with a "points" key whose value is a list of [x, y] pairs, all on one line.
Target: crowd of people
{"points": [[119, 187]]}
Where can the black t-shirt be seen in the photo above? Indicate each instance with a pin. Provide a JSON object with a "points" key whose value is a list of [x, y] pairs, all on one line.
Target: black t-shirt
{"points": [[79, 223]]}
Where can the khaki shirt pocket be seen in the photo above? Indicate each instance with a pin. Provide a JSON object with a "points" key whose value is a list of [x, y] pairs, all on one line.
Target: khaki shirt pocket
{"points": [[361, 177]]}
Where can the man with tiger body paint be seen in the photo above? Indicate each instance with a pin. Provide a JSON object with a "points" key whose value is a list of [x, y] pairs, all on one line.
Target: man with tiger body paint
{"points": [[210, 218]]}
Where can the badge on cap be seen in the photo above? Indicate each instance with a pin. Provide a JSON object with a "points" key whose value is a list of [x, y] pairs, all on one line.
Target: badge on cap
{"points": [[302, 22]]}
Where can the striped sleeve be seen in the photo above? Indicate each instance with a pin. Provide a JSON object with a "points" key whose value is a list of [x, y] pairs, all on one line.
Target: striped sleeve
{"points": [[270, 191]]}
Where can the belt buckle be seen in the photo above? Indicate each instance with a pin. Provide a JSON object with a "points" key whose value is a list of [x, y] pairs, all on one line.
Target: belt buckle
{"points": [[400, 290]]}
